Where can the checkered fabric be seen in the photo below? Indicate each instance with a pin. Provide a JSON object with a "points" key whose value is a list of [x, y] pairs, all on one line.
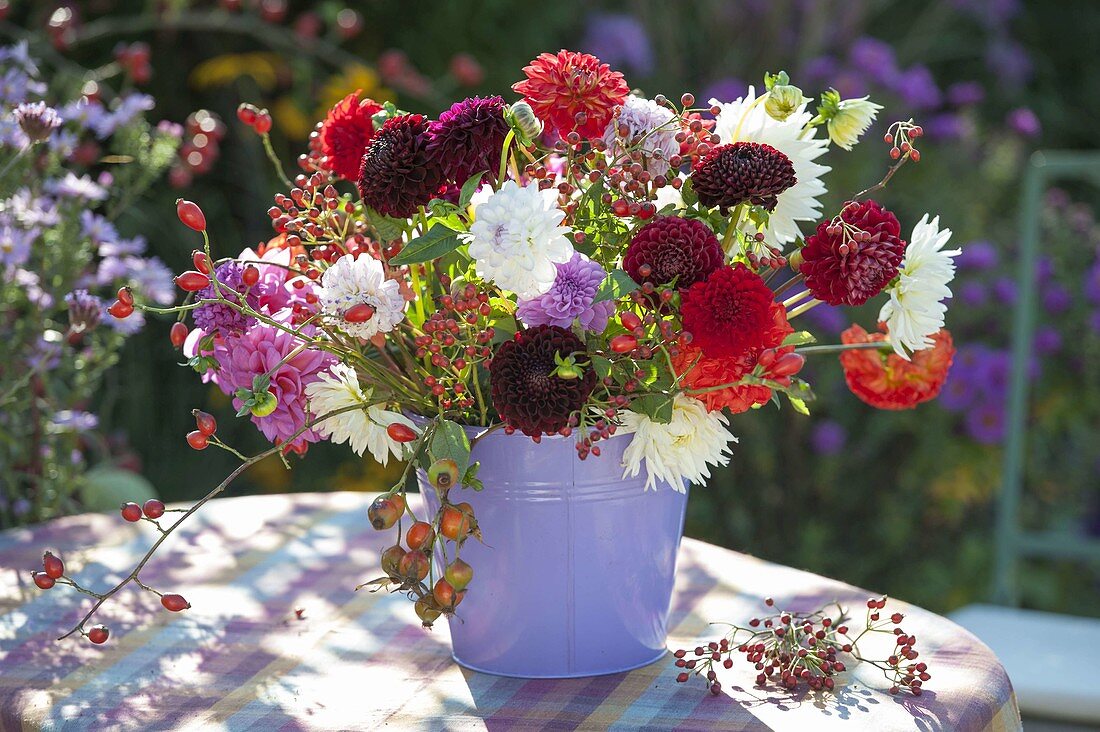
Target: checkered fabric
{"points": [[241, 659]]}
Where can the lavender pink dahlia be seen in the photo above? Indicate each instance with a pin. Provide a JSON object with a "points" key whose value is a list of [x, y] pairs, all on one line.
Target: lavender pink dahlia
{"points": [[571, 297]]}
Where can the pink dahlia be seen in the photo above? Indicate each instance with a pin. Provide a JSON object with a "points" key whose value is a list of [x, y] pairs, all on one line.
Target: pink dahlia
{"points": [[559, 86], [255, 352]]}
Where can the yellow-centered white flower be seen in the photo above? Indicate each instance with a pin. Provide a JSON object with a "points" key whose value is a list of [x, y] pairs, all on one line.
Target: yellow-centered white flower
{"points": [[517, 238], [683, 449], [747, 120], [851, 120], [915, 310], [363, 429], [353, 281]]}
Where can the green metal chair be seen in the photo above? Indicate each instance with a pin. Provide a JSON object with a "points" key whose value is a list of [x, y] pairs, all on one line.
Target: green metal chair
{"points": [[1040, 650]]}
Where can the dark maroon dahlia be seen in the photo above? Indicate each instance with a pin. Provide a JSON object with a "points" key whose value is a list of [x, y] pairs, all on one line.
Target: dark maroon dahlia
{"points": [[467, 138], [744, 172], [684, 250], [398, 174], [848, 265], [526, 393]]}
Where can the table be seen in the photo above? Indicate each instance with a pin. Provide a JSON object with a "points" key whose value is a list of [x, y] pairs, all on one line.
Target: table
{"points": [[242, 659]]}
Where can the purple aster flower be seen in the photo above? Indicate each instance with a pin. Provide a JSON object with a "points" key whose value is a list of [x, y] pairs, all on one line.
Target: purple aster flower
{"points": [[75, 420], [1047, 341], [219, 316], [1091, 288], [467, 138], [32, 288], [877, 57], [45, 353], [85, 310], [73, 187], [15, 245], [1023, 122], [978, 255], [570, 298], [1056, 299], [620, 40], [1009, 61], [965, 93], [37, 120], [1005, 290], [947, 126], [828, 319], [917, 87], [985, 423], [122, 247], [973, 294], [152, 278], [1044, 269], [97, 228], [828, 437]]}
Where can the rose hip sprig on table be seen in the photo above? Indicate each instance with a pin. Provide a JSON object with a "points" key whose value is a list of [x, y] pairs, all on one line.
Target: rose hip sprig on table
{"points": [[791, 650]]}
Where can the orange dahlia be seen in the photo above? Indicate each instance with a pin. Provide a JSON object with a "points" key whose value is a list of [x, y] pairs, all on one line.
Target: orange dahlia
{"points": [[345, 134], [560, 86], [886, 380], [699, 372]]}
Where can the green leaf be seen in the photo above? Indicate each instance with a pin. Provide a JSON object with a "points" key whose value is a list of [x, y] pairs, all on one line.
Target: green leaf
{"points": [[617, 285], [469, 188], [687, 192], [657, 407], [470, 479], [389, 229], [602, 366], [799, 405], [438, 241], [799, 338], [449, 441]]}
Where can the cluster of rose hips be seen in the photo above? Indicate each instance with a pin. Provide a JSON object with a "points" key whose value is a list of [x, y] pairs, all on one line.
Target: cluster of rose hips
{"points": [[205, 427], [851, 234], [772, 257], [901, 136], [258, 119], [779, 365], [314, 210], [408, 569], [203, 133], [792, 649]]}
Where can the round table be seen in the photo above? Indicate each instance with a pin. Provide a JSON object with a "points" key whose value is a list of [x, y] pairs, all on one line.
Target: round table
{"points": [[242, 658]]}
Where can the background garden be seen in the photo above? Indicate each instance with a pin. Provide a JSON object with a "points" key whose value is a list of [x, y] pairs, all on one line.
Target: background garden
{"points": [[897, 502]]}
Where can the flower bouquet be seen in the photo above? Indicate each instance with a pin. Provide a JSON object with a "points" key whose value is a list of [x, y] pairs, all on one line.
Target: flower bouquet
{"points": [[549, 310]]}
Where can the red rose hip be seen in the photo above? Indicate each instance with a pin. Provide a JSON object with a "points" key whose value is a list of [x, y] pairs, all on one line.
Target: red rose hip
{"points": [[190, 214], [55, 568], [178, 334], [98, 634], [153, 508], [131, 512], [197, 440], [174, 603], [43, 580]]}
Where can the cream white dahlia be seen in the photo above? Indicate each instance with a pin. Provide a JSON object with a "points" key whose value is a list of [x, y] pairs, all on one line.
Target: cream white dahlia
{"points": [[682, 449], [517, 238], [361, 280], [649, 126], [915, 310], [746, 120], [363, 429], [850, 120]]}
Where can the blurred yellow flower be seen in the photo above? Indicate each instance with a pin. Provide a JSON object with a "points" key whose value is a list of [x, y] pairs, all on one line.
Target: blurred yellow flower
{"points": [[264, 68], [353, 78], [290, 119]]}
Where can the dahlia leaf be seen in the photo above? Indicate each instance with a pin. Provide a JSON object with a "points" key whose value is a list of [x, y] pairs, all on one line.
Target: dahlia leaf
{"points": [[469, 188], [389, 229], [617, 285], [658, 407], [438, 241], [602, 366], [449, 441], [799, 338], [799, 405]]}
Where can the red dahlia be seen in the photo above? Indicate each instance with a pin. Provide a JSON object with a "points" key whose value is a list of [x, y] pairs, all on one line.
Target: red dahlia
{"points": [[733, 314], [467, 139], [398, 174], [885, 380], [744, 172], [526, 393], [345, 134], [849, 264], [684, 250], [558, 86], [699, 372]]}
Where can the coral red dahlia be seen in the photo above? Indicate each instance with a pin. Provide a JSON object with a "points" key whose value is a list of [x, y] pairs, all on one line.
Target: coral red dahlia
{"points": [[885, 380], [701, 373], [684, 250], [733, 314], [526, 392], [345, 134], [851, 263], [398, 174], [742, 172], [558, 86]]}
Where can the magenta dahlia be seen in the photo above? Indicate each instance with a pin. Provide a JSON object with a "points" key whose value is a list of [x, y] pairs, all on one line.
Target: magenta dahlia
{"points": [[398, 174], [345, 134], [526, 393], [743, 172], [851, 263], [560, 86], [672, 248], [733, 314], [467, 139]]}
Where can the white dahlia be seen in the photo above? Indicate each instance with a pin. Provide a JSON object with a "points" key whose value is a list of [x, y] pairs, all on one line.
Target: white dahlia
{"points": [[679, 450], [363, 429], [915, 309], [850, 120], [650, 127], [746, 121], [517, 238], [361, 280]]}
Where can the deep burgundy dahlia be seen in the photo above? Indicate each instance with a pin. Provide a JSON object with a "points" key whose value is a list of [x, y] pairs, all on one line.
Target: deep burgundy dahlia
{"points": [[685, 250], [345, 134], [398, 174], [744, 172], [733, 314], [559, 85], [526, 393], [843, 271], [467, 138]]}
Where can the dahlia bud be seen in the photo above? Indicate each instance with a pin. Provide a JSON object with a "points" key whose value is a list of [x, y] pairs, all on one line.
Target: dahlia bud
{"points": [[783, 101], [846, 119], [523, 120]]}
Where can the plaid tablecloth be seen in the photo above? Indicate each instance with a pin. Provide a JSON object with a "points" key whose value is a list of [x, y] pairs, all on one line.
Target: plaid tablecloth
{"points": [[242, 659]]}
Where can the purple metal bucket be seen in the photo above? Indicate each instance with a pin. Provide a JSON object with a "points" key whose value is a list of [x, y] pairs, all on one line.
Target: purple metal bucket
{"points": [[576, 573]]}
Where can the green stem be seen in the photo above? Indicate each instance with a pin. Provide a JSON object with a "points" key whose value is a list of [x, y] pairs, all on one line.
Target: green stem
{"points": [[275, 160]]}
